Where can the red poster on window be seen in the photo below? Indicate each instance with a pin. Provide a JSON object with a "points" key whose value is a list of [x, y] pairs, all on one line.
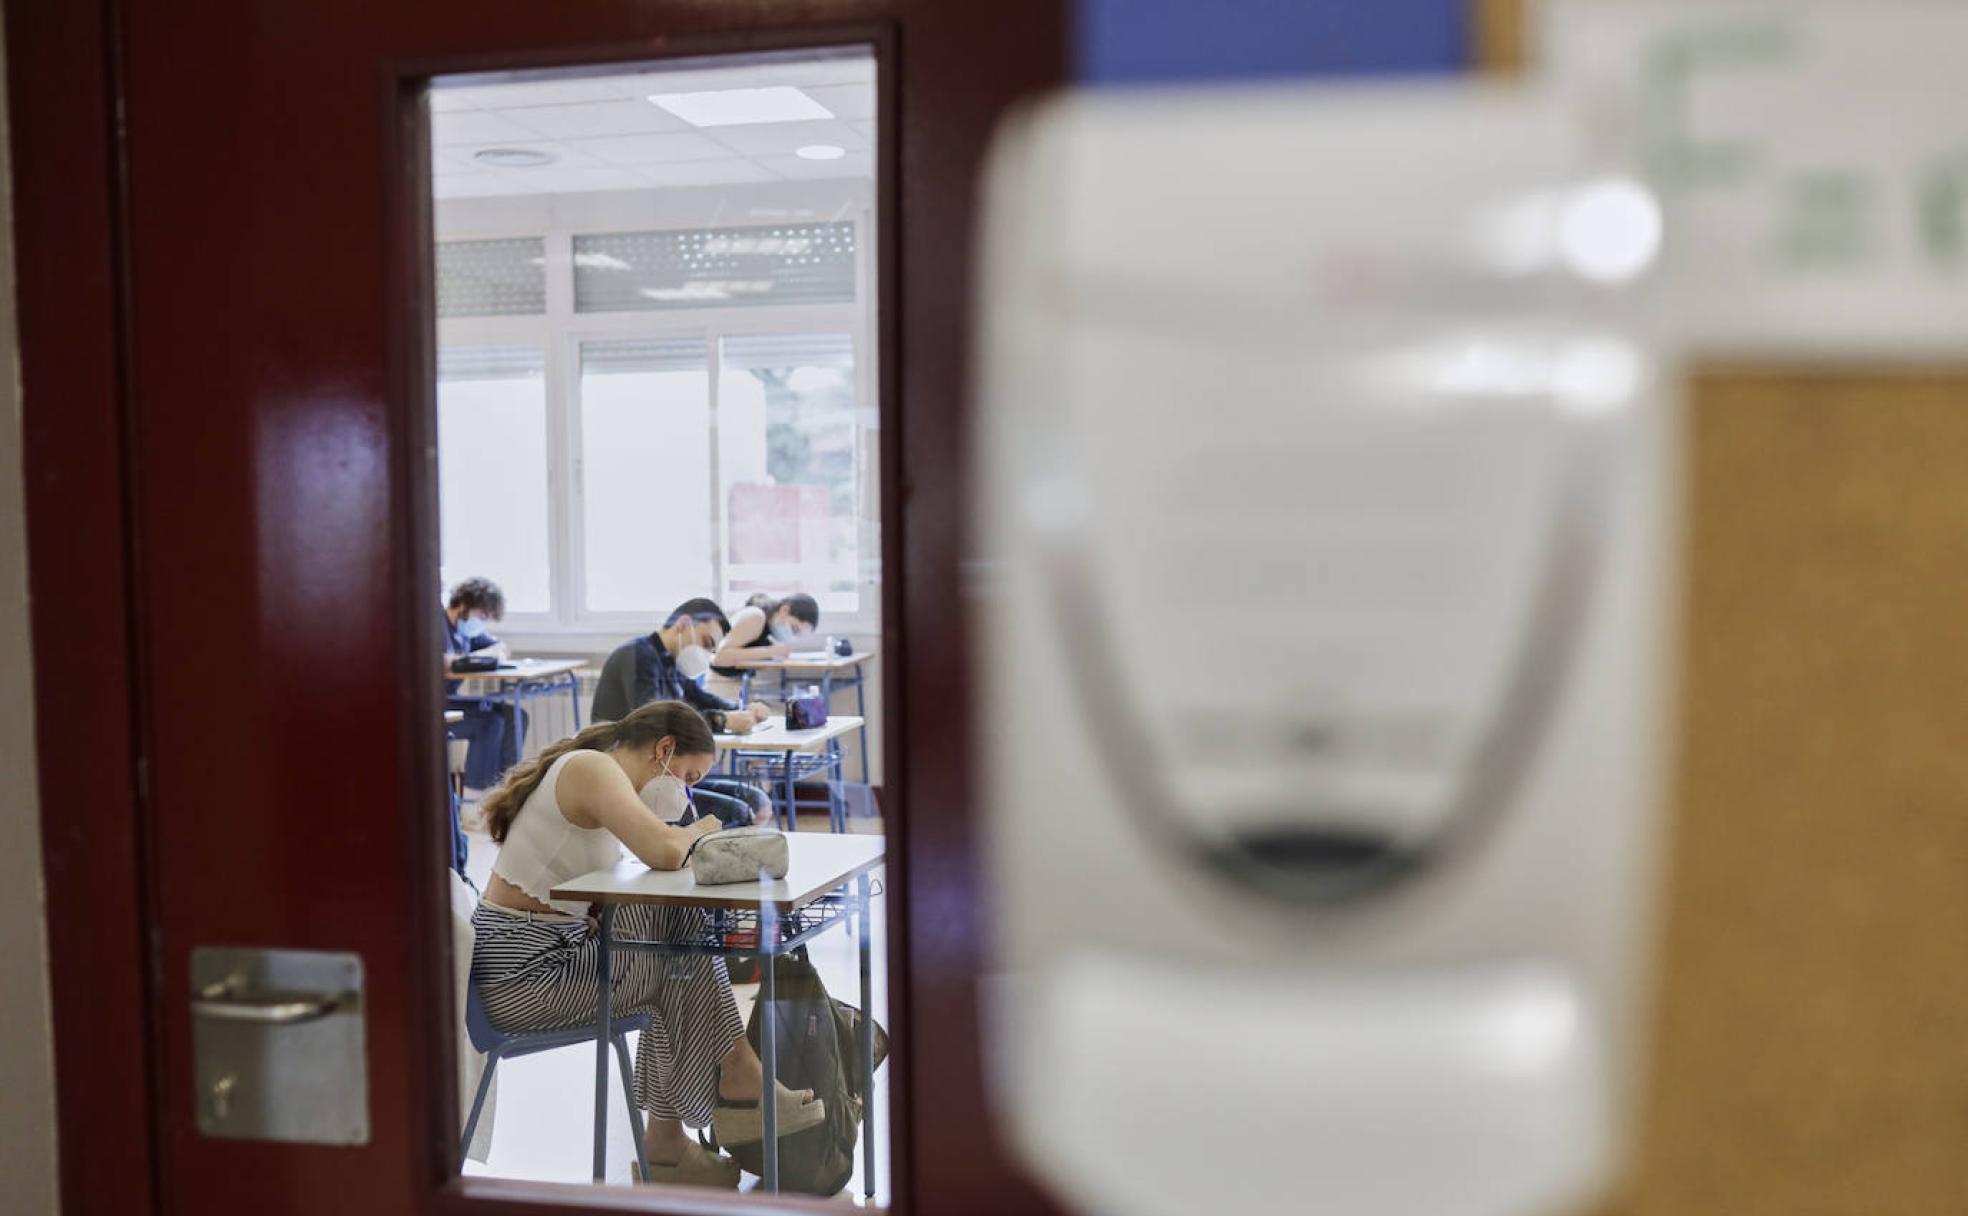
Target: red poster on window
{"points": [[815, 523], [790, 525], [765, 523]]}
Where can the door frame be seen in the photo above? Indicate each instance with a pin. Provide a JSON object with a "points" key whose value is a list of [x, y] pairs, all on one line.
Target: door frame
{"points": [[69, 204], [72, 234]]}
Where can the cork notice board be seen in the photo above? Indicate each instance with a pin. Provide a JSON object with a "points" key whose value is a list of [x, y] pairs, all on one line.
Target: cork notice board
{"points": [[1809, 1051]]}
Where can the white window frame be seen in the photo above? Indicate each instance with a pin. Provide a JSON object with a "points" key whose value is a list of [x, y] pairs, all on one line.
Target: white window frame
{"points": [[561, 331]]}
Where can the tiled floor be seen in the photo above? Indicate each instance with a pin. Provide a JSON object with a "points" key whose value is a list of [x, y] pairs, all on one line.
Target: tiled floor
{"points": [[544, 1124]]}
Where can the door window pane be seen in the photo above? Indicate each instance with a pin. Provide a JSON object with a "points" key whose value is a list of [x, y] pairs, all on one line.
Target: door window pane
{"points": [[492, 470], [646, 474], [789, 467]]}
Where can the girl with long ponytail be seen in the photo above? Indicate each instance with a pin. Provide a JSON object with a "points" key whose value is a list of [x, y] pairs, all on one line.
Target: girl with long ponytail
{"points": [[573, 809]]}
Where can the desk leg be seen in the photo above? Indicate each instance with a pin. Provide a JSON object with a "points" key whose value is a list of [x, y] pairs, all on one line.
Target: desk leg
{"points": [[861, 710], [827, 691], [836, 796], [769, 1045], [574, 699], [867, 1041], [604, 1031], [786, 780], [514, 729]]}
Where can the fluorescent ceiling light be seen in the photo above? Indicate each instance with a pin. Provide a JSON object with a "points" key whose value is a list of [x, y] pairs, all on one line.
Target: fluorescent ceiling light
{"points": [[736, 107], [821, 152]]}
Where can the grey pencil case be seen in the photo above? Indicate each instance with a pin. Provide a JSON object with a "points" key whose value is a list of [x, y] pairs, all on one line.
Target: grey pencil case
{"points": [[738, 855]]}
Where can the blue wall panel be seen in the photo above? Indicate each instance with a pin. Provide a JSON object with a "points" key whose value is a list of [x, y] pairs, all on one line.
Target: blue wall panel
{"points": [[1148, 41]]}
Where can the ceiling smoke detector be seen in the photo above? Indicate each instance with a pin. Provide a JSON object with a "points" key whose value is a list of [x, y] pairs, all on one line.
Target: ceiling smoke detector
{"points": [[513, 158]]}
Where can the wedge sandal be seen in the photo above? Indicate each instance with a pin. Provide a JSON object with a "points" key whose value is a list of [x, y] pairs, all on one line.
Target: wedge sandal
{"points": [[699, 1167], [744, 1122]]}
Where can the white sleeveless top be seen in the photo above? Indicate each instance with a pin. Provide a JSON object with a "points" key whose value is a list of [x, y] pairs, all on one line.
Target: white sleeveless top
{"points": [[543, 850]]}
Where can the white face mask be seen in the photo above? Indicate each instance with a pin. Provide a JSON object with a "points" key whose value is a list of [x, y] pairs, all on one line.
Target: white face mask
{"points": [[693, 662], [667, 795]]}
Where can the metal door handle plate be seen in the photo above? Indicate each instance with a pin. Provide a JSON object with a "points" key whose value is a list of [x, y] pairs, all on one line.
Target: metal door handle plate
{"points": [[228, 1002]]}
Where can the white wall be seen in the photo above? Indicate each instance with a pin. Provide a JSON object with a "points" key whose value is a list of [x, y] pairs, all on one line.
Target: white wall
{"points": [[27, 1111]]}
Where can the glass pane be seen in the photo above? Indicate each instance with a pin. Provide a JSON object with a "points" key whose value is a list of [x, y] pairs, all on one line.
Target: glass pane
{"points": [[646, 475], [714, 267], [789, 467], [492, 471], [684, 241], [492, 278]]}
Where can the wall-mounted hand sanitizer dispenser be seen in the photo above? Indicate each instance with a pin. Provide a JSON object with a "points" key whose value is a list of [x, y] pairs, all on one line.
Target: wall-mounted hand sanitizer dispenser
{"points": [[1325, 475]]}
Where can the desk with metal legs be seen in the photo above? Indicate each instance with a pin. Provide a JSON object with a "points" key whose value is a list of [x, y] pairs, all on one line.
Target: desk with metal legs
{"points": [[828, 879], [518, 681], [795, 754], [830, 671]]}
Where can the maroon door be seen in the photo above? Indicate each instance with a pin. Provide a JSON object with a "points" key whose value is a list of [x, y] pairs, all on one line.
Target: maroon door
{"points": [[225, 364]]}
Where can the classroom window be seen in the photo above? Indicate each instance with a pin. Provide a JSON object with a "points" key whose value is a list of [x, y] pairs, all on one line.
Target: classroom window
{"points": [[789, 456], [496, 278], [714, 267], [492, 485], [645, 456], [762, 475]]}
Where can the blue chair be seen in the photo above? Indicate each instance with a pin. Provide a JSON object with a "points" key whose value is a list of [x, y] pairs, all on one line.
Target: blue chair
{"points": [[497, 1045]]}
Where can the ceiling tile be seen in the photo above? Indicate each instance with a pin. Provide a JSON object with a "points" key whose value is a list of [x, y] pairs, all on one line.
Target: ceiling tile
{"points": [[691, 80], [750, 76], [456, 159], [565, 155], [652, 149], [540, 93], [731, 172], [784, 138], [577, 179], [819, 73], [846, 100], [473, 185], [477, 127], [866, 129], [596, 118], [854, 164]]}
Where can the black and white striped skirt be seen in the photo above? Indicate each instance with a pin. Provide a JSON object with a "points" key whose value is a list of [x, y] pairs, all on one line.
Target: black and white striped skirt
{"points": [[536, 971]]}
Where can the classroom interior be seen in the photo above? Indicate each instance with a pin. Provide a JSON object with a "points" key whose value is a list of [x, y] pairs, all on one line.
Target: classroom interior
{"points": [[657, 384]]}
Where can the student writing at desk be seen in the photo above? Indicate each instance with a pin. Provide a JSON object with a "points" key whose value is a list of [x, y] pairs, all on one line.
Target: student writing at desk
{"points": [[571, 810], [766, 628], [670, 664], [472, 605]]}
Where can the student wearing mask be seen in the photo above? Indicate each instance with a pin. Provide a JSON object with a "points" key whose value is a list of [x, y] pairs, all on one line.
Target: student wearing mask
{"points": [[573, 809], [766, 628], [670, 664], [468, 613]]}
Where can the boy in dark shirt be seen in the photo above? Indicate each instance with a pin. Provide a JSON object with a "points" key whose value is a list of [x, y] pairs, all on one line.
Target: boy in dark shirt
{"points": [[668, 665]]}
